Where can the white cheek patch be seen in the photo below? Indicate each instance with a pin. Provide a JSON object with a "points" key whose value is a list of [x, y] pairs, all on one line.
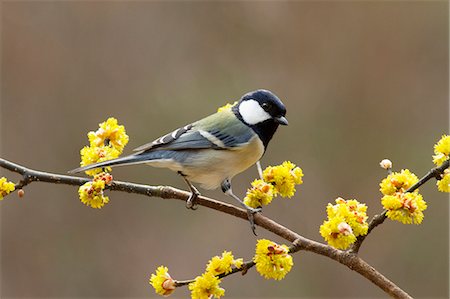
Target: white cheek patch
{"points": [[252, 113]]}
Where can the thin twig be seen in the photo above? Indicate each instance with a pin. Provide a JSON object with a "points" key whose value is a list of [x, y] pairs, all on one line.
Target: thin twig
{"points": [[352, 261], [379, 219], [243, 269], [433, 173]]}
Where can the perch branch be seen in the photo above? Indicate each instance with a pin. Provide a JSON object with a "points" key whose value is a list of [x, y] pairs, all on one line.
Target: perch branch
{"points": [[347, 258]]}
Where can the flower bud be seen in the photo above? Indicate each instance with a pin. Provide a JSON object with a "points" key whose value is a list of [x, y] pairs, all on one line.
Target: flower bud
{"points": [[168, 286], [345, 229], [386, 164]]}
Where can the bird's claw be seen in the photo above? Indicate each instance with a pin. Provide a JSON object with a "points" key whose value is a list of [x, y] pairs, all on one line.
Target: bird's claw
{"points": [[191, 201], [226, 188], [251, 218], [254, 210]]}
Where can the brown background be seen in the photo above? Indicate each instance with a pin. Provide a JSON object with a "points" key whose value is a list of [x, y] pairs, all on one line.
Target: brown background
{"points": [[362, 81]]}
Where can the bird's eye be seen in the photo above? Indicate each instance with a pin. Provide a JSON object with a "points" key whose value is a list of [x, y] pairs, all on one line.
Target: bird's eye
{"points": [[265, 106]]}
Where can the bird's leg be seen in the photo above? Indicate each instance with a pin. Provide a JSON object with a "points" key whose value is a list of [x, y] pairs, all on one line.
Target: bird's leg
{"points": [[190, 203], [259, 168], [226, 188]]}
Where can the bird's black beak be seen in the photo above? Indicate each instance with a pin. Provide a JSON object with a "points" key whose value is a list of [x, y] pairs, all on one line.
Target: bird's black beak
{"points": [[281, 120]]}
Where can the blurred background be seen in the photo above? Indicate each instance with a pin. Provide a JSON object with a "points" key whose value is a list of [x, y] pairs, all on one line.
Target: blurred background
{"points": [[362, 81]]}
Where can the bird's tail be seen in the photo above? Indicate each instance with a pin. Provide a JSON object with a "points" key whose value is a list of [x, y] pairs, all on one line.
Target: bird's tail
{"points": [[127, 160]]}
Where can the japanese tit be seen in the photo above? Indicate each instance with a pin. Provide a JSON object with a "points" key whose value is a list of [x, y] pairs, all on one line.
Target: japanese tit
{"points": [[211, 151]]}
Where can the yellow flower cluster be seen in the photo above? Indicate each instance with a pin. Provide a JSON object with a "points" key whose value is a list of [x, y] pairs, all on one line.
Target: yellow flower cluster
{"points": [[284, 177], [223, 264], [109, 133], [347, 220], [260, 194], [90, 155], [163, 284], [272, 260], [398, 182], [280, 179], [91, 193], [6, 187], [206, 286], [104, 144], [402, 206], [441, 154], [406, 208], [226, 107], [441, 150], [444, 183]]}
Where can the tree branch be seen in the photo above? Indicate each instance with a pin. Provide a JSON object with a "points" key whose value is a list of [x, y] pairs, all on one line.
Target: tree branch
{"points": [[379, 219], [347, 258]]}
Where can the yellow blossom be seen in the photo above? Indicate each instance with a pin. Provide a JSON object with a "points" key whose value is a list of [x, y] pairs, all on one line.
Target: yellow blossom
{"points": [[238, 263], [296, 172], [272, 260], [90, 155], [353, 212], [260, 194], [6, 187], [206, 287], [439, 158], [398, 182], [406, 208], [110, 133], [337, 233], [444, 183], [402, 206], [218, 265], [91, 194], [105, 177], [162, 282], [347, 219], [226, 107], [441, 150], [284, 177]]}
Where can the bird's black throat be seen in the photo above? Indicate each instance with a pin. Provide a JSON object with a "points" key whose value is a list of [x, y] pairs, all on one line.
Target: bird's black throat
{"points": [[265, 130]]}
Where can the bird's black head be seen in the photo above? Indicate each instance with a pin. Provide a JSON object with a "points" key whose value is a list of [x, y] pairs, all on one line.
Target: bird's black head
{"points": [[263, 111]]}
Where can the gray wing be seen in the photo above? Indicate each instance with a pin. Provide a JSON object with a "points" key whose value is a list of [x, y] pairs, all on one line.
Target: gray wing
{"points": [[221, 133], [186, 137], [166, 139]]}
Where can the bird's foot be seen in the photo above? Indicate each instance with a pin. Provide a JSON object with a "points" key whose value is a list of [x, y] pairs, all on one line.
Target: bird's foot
{"points": [[191, 201], [226, 188], [251, 219]]}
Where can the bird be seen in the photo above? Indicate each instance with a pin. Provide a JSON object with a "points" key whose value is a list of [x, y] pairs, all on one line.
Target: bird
{"points": [[214, 149]]}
